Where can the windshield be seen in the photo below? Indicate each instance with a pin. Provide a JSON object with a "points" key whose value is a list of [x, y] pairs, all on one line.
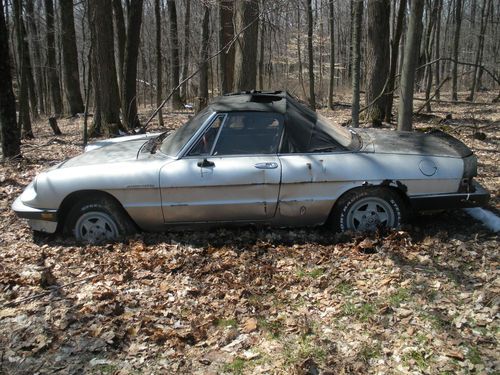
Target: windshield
{"points": [[175, 141]]}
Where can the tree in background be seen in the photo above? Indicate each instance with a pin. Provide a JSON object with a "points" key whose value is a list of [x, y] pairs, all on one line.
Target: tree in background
{"points": [[412, 47], [247, 25], [357, 11], [331, 24], [226, 33], [129, 90], [310, 54], [121, 37], [174, 50], [203, 87], [456, 46], [70, 58], [9, 132], [377, 58], [52, 72], [159, 70]]}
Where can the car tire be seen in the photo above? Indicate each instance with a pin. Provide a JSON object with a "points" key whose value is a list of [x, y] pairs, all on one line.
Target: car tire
{"points": [[367, 210], [98, 220]]}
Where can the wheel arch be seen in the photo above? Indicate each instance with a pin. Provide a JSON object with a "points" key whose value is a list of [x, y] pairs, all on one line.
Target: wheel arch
{"points": [[73, 198]]}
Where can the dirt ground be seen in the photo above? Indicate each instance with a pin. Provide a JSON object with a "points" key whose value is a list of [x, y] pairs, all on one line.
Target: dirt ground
{"points": [[421, 300]]}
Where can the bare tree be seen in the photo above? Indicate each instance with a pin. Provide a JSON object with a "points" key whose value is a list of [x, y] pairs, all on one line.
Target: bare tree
{"points": [[159, 81], [174, 46], [52, 73], [121, 39], [226, 33], [357, 9], [245, 69], [129, 101], [9, 132], [411, 52], [70, 58], [310, 54], [203, 88], [456, 45], [187, 49], [332, 51], [37, 54]]}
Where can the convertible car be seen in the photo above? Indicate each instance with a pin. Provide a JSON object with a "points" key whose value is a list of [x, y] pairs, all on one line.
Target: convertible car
{"points": [[253, 157]]}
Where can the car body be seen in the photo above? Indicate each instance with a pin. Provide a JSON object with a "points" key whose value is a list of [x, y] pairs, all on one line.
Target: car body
{"points": [[255, 157]]}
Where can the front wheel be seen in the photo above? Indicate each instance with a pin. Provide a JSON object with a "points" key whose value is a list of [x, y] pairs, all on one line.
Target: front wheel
{"points": [[98, 220], [366, 210]]}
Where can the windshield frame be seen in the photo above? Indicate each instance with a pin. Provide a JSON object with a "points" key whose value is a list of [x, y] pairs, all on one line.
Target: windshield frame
{"points": [[193, 136]]}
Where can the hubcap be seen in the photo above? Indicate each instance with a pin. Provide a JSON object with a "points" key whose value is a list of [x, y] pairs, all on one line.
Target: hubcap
{"points": [[369, 213], [94, 227]]}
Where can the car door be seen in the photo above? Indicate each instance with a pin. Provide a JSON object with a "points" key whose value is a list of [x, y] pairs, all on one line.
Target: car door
{"points": [[232, 172]]}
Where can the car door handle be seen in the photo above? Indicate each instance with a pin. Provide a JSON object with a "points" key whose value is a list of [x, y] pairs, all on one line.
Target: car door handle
{"points": [[205, 163], [268, 165]]}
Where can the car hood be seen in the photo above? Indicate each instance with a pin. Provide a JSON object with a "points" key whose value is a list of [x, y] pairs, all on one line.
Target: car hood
{"points": [[113, 153], [436, 143]]}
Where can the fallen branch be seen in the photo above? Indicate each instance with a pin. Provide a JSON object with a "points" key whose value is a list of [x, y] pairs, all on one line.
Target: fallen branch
{"points": [[435, 93], [53, 288]]}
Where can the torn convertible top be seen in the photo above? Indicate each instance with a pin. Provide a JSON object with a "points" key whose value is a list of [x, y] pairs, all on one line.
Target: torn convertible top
{"points": [[305, 131]]}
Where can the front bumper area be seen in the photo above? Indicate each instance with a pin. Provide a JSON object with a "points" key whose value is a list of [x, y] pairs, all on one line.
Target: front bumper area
{"points": [[479, 197], [42, 220]]}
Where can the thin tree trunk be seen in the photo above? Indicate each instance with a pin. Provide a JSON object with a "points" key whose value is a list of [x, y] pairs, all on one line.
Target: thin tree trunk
{"points": [[226, 33], [332, 52], [37, 63], [261, 50], [438, 46], [174, 43], [310, 51], [23, 53], [456, 45], [396, 38], [52, 72], [121, 39], [357, 9], [9, 132], [203, 88], [187, 50], [129, 101], [159, 83], [299, 53], [479, 51], [70, 58], [412, 45]]}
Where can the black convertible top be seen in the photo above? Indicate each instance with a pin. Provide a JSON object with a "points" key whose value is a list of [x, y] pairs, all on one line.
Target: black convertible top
{"points": [[304, 130]]}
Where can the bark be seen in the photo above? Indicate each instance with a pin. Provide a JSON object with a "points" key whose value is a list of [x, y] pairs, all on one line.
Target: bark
{"points": [[437, 44], [226, 33], [456, 44], [70, 58], [35, 43], [377, 54], [479, 51], [109, 96], [159, 83], [203, 88], [332, 52], [261, 50], [174, 46], [129, 98], [9, 132], [396, 38], [23, 53], [245, 69], [52, 72], [121, 38], [357, 9], [310, 54], [187, 49], [411, 53]]}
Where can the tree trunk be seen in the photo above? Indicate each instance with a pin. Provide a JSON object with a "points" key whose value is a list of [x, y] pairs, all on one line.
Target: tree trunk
{"points": [[174, 43], [70, 58], [310, 53], [23, 53], [261, 50], [456, 40], [245, 69], [357, 9], [52, 72], [437, 44], [187, 50], [479, 51], [226, 33], [129, 101], [377, 51], [411, 53], [332, 53], [203, 88], [159, 83], [9, 132], [105, 62], [35, 42], [398, 30], [121, 38]]}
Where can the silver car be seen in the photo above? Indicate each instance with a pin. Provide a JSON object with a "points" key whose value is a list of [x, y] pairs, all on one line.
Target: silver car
{"points": [[259, 157]]}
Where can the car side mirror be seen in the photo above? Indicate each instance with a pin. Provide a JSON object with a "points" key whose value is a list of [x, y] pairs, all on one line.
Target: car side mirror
{"points": [[205, 163]]}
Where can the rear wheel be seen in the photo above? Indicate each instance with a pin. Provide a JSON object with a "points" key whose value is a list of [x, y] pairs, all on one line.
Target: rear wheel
{"points": [[98, 220], [366, 210]]}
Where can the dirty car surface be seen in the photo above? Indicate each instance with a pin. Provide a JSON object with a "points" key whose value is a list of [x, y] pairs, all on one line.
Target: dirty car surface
{"points": [[259, 157]]}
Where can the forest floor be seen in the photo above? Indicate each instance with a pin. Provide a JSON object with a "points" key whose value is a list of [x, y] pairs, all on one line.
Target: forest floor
{"points": [[423, 299]]}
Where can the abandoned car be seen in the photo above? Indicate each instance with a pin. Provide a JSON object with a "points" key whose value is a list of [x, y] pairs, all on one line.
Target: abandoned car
{"points": [[255, 157]]}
